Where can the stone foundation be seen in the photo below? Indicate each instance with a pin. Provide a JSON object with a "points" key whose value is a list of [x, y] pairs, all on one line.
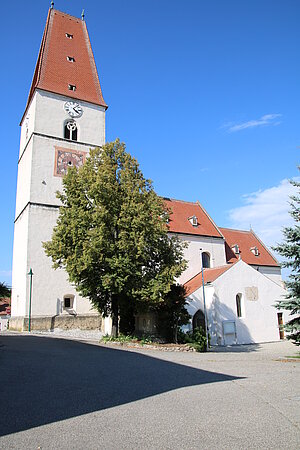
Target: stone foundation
{"points": [[63, 322]]}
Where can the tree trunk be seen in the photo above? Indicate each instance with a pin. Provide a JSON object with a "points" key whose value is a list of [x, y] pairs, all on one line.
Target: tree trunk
{"points": [[176, 331], [115, 316]]}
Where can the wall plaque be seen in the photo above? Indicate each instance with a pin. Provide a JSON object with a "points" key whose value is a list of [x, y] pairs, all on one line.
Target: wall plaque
{"points": [[251, 293]]}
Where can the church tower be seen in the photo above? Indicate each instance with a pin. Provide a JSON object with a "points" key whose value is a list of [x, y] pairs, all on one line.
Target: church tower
{"points": [[64, 118]]}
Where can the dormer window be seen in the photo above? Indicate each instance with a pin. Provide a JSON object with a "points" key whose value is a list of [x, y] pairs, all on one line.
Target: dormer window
{"points": [[193, 220], [236, 249], [255, 251], [72, 87], [70, 59], [69, 36]]}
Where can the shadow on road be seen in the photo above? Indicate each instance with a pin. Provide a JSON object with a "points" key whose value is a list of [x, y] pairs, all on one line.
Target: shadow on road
{"points": [[46, 380]]}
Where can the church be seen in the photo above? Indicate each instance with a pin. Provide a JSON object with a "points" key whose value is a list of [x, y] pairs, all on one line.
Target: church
{"points": [[232, 281]]}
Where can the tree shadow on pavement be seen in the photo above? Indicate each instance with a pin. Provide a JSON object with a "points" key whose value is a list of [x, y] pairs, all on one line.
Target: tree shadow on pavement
{"points": [[46, 380]]}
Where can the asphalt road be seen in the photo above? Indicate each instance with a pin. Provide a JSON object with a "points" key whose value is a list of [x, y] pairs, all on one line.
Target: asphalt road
{"points": [[64, 394]]}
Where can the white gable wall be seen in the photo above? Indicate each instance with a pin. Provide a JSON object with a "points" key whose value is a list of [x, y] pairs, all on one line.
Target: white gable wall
{"points": [[259, 323]]}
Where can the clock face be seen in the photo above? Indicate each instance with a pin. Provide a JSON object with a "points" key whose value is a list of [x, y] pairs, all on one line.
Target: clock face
{"points": [[73, 109]]}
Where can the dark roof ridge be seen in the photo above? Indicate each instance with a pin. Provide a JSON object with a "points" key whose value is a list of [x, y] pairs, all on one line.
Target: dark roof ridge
{"points": [[178, 200]]}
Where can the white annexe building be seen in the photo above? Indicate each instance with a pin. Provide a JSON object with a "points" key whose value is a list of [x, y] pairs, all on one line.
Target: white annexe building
{"points": [[64, 118]]}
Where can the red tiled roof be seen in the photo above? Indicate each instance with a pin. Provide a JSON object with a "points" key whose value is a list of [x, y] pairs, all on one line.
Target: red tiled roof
{"points": [[246, 240], [54, 72], [179, 219], [209, 275]]}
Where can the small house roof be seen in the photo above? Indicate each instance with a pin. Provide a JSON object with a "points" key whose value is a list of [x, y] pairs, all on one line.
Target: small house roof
{"points": [[210, 275]]}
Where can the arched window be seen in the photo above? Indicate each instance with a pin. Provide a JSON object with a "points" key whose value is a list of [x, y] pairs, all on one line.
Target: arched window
{"points": [[199, 320], [205, 260], [239, 306], [70, 130]]}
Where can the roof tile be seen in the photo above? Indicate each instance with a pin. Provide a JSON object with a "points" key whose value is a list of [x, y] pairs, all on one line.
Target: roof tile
{"points": [[54, 72], [210, 275], [246, 240], [179, 222]]}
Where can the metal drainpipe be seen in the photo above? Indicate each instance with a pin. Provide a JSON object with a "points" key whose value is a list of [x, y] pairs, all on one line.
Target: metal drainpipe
{"points": [[30, 273], [204, 303]]}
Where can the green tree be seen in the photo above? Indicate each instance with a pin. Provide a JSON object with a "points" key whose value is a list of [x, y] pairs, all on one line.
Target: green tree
{"points": [[172, 313], [5, 291], [111, 235], [290, 250]]}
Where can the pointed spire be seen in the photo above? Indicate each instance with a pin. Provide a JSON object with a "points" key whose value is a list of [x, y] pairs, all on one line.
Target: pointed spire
{"points": [[52, 54], [82, 15], [51, 4]]}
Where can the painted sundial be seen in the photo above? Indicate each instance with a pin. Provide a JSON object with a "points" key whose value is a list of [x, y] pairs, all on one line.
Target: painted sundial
{"points": [[66, 159]]}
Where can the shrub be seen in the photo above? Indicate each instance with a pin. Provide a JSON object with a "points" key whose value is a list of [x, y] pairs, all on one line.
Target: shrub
{"points": [[195, 339]]}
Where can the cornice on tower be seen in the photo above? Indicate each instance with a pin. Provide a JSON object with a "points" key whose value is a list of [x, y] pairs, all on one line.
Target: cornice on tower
{"points": [[66, 63]]}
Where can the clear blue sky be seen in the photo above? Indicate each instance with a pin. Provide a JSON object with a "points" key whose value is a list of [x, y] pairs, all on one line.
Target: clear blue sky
{"points": [[204, 93]]}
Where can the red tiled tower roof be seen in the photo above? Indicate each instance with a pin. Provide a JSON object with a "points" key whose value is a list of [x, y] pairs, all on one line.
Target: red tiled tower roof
{"points": [[53, 71], [182, 211], [247, 241]]}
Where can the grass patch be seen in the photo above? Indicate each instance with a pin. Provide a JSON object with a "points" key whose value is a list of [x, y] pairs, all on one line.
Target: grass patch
{"points": [[127, 339]]}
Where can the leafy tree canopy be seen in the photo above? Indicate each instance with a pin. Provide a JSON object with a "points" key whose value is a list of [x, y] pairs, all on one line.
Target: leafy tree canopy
{"points": [[290, 250], [172, 313], [111, 234], [5, 291]]}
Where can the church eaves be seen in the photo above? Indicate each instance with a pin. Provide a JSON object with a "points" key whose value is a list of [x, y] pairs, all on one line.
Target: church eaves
{"points": [[66, 64]]}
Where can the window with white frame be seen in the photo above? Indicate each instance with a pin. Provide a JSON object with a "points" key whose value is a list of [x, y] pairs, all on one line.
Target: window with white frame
{"points": [[68, 301]]}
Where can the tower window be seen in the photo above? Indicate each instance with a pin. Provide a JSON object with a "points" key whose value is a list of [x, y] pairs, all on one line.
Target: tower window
{"points": [[69, 36], [70, 130], [72, 87], [70, 59]]}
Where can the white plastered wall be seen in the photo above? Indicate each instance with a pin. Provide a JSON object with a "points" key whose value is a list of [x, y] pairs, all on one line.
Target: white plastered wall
{"points": [[274, 273], [19, 272], [259, 323], [44, 184], [214, 246], [50, 118], [49, 285], [42, 129]]}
